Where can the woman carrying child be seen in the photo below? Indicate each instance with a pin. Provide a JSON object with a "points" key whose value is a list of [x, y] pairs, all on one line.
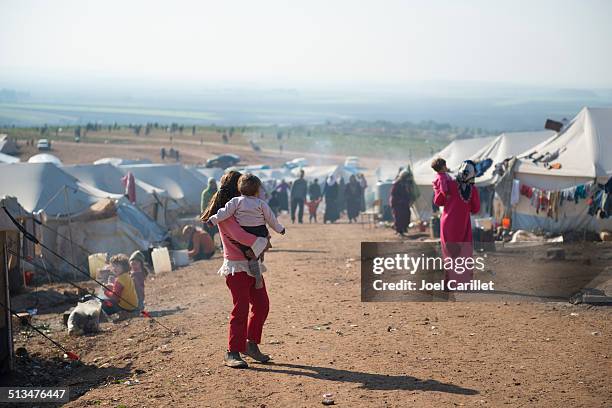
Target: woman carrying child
{"points": [[245, 330]]}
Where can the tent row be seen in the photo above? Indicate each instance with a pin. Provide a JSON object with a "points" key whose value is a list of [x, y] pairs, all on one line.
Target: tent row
{"points": [[549, 164]]}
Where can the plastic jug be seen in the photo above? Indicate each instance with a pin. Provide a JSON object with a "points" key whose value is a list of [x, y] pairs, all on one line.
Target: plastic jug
{"points": [[180, 257], [161, 260], [96, 262]]}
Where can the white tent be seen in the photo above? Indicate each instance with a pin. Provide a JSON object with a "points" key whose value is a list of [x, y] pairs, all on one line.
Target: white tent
{"points": [[6, 158], [454, 153], [8, 146], [107, 177], [45, 158], [44, 186], [506, 146], [92, 219], [581, 153], [116, 161], [183, 187]]}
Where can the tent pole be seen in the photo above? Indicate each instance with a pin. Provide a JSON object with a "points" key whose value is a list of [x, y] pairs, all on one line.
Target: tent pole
{"points": [[74, 261]]}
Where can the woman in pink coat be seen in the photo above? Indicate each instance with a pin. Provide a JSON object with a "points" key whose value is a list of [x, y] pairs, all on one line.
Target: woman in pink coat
{"points": [[245, 326], [459, 202]]}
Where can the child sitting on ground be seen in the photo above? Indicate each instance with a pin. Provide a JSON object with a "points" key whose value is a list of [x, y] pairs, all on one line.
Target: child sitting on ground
{"points": [[252, 213], [442, 176], [121, 294], [312, 209]]}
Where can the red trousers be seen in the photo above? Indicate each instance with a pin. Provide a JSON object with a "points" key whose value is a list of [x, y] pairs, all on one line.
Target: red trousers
{"points": [[244, 325]]}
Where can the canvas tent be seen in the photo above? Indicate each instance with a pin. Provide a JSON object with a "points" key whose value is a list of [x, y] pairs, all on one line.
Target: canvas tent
{"points": [[8, 146], [45, 158], [106, 177], [116, 161], [581, 153], [5, 158], [91, 218], [454, 153], [506, 146], [183, 187]]}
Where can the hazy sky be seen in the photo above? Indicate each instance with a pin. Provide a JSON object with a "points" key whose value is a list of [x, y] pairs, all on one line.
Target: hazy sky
{"points": [[558, 42]]}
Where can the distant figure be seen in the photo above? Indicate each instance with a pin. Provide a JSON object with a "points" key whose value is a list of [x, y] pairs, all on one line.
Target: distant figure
{"points": [[298, 197], [176, 155], [283, 195], [274, 202], [401, 199], [352, 195], [163, 153], [312, 209], [314, 190], [330, 192], [364, 185]]}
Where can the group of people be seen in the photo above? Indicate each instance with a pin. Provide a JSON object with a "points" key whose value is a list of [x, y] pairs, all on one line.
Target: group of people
{"points": [[124, 280], [294, 196]]}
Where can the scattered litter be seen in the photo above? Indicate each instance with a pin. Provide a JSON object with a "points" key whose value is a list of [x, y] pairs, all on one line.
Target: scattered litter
{"points": [[595, 333], [573, 314], [391, 329], [328, 399], [275, 342]]}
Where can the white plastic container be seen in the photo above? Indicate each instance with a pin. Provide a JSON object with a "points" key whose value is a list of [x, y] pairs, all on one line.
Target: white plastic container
{"points": [[180, 257], [161, 260], [96, 262]]}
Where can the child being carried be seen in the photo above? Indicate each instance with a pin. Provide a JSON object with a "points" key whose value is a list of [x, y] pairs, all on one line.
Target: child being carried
{"points": [[252, 213]]}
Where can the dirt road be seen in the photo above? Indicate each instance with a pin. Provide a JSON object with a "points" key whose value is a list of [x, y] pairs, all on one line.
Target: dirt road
{"points": [[324, 340]]}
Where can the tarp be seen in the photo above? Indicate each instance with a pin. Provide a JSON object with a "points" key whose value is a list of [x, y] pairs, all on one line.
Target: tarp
{"points": [[184, 187], [5, 158], [107, 177], [506, 146], [8, 146], [44, 186], [16, 210], [583, 150], [93, 219]]}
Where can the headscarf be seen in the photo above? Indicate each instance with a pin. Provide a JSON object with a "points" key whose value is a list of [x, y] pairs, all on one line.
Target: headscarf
{"points": [[467, 173], [331, 180]]}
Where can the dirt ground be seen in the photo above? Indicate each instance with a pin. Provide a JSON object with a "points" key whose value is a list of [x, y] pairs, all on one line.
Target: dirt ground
{"points": [[324, 340]]}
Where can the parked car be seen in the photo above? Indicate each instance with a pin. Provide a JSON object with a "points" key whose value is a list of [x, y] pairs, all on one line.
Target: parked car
{"points": [[223, 161], [43, 144], [298, 162]]}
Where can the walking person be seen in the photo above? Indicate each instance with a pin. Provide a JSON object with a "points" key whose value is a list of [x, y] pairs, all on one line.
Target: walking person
{"points": [[314, 190], [352, 195], [298, 197], [330, 192], [401, 199]]}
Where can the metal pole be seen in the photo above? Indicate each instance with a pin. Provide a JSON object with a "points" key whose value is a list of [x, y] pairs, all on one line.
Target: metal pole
{"points": [[74, 261]]}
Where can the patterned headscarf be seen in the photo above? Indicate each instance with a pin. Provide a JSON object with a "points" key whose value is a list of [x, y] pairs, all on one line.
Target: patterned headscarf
{"points": [[467, 173]]}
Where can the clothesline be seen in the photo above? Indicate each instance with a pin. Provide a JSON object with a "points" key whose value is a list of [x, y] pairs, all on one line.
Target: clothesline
{"points": [[550, 201]]}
